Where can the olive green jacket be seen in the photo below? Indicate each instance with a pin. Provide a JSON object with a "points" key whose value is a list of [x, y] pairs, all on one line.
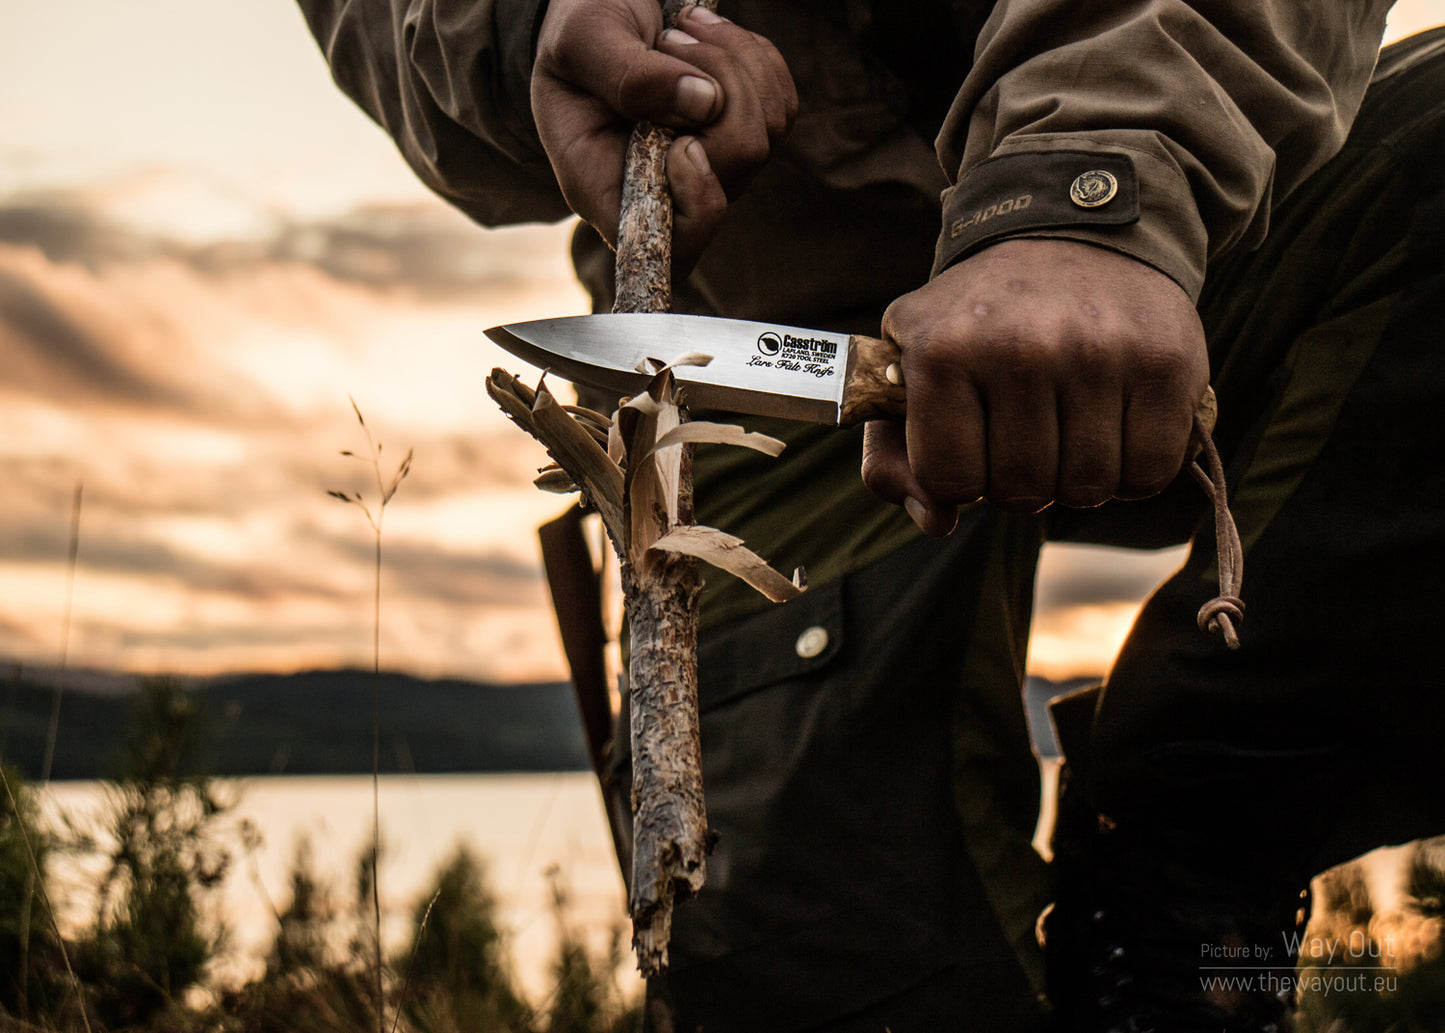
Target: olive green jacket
{"points": [[1217, 108]]}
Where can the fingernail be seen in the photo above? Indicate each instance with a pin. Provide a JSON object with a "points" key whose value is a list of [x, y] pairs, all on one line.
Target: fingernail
{"points": [[935, 524], [693, 151], [695, 97], [702, 14], [918, 512], [677, 36]]}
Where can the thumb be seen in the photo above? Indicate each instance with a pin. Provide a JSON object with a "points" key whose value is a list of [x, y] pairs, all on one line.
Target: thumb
{"points": [[888, 474]]}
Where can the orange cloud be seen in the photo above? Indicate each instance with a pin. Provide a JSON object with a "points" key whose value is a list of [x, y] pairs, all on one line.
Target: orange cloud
{"points": [[200, 394]]}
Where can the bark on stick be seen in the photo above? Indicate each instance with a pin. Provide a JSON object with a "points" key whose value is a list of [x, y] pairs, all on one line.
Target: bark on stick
{"points": [[644, 232], [660, 592]]}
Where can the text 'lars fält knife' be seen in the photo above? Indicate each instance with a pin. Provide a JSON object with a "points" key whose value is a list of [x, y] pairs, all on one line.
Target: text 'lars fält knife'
{"points": [[758, 368]]}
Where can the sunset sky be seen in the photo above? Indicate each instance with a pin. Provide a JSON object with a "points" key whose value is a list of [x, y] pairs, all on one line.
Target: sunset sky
{"points": [[204, 250]]}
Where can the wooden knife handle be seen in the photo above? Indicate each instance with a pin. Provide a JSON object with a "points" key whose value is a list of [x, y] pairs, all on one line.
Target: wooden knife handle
{"points": [[872, 382], [873, 386]]}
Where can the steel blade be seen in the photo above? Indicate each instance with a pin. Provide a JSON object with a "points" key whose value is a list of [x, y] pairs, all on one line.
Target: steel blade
{"points": [[760, 368]]}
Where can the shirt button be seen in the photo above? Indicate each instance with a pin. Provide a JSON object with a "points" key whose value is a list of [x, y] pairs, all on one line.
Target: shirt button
{"points": [[812, 642]]}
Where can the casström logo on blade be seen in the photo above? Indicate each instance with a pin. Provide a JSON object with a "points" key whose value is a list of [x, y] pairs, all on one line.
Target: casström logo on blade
{"points": [[770, 343]]}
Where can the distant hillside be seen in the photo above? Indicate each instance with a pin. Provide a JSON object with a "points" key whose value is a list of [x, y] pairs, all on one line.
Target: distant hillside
{"points": [[319, 723], [314, 722]]}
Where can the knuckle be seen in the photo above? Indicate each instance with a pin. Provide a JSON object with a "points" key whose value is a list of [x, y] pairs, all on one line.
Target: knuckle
{"points": [[929, 349], [1162, 368], [883, 468], [1022, 360], [1092, 358], [778, 120], [1149, 475], [954, 484], [635, 90], [753, 149], [876, 480], [708, 205]]}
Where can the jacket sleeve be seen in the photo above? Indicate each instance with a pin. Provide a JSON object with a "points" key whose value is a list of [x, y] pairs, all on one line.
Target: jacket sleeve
{"points": [[1163, 129], [449, 80]]}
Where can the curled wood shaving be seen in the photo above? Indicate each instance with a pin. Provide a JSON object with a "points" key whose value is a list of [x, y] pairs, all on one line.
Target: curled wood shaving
{"points": [[573, 447], [702, 432], [650, 488], [638, 500], [729, 553], [689, 359]]}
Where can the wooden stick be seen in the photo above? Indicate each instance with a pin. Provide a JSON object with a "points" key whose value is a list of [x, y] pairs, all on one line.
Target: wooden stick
{"points": [[670, 834], [644, 233]]}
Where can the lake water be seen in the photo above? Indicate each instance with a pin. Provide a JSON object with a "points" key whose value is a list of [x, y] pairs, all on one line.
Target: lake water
{"points": [[522, 825]]}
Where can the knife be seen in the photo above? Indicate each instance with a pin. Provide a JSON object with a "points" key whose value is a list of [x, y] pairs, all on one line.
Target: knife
{"points": [[765, 369]]}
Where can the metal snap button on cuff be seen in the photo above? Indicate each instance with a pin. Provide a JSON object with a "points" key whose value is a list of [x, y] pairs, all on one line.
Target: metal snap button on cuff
{"points": [[812, 642], [1093, 189]]}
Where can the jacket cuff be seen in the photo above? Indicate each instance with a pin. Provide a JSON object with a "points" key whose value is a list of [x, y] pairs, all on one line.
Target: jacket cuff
{"points": [[1128, 202]]}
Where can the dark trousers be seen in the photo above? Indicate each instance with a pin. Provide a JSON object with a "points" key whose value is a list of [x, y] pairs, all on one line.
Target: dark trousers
{"points": [[869, 778], [1318, 739]]}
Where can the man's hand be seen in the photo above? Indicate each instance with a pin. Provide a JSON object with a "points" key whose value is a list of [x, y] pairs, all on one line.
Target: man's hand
{"points": [[604, 65], [1038, 371]]}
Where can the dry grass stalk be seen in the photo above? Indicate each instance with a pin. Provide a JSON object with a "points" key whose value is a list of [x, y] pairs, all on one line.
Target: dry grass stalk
{"points": [[385, 489]]}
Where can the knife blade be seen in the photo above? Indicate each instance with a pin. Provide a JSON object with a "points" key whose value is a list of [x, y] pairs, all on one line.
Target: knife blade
{"points": [[765, 369]]}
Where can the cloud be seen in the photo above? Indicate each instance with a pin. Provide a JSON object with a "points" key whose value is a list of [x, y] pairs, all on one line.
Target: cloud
{"points": [[66, 229], [1077, 576], [244, 577], [426, 571], [103, 308], [197, 389], [424, 246], [197, 384], [52, 349]]}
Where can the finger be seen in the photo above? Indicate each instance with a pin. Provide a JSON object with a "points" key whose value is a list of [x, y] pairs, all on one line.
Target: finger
{"points": [[1023, 445], [946, 426], [587, 153], [609, 53], [1159, 417], [1156, 442], [761, 101], [1090, 419], [753, 56], [1090, 448], [887, 473], [698, 202]]}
